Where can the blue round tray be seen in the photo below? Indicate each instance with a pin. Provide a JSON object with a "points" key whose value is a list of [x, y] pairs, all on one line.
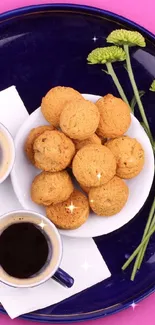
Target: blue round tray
{"points": [[47, 45]]}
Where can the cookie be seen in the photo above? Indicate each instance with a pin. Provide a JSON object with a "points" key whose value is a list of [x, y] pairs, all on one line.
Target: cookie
{"points": [[51, 188], [129, 156], [79, 119], [115, 116], [109, 199], [34, 133], [70, 214], [94, 139], [53, 151], [94, 165], [54, 102]]}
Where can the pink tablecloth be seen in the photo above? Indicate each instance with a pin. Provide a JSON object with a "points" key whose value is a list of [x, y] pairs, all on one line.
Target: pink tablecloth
{"points": [[141, 12]]}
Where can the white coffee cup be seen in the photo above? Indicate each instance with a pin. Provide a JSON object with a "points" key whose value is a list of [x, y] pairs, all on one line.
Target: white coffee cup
{"points": [[51, 267], [7, 153]]}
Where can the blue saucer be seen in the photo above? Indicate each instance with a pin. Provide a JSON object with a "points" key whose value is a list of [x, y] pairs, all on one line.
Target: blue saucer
{"points": [[45, 46]]}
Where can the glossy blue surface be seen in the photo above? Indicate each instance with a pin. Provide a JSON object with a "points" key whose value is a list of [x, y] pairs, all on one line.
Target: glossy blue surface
{"points": [[63, 278], [46, 46]]}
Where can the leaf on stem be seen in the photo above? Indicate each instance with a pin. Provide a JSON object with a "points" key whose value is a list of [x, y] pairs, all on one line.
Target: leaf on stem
{"points": [[152, 87], [134, 102], [125, 67], [105, 71]]}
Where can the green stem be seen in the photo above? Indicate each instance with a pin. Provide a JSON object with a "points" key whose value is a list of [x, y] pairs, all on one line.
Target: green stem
{"points": [[146, 130], [149, 225], [145, 246], [135, 90], [141, 253], [116, 82], [127, 263]]}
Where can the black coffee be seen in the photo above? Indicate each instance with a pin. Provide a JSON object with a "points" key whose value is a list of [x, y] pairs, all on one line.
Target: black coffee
{"points": [[23, 250]]}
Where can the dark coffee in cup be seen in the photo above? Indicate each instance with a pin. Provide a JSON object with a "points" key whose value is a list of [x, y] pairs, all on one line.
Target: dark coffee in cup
{"points": [[24, 250], [30, 250]]}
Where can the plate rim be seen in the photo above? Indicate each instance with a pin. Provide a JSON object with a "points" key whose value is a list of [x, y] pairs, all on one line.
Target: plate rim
{"points": [[27, 10], [17, 12]]}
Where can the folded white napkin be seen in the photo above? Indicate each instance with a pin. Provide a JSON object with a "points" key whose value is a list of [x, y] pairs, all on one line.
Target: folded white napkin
{"points": [[81, 257]]}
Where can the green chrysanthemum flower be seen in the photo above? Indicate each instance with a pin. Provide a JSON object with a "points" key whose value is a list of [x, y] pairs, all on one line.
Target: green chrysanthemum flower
{"points": [[152, 87], [126, 37], [106, 54]]}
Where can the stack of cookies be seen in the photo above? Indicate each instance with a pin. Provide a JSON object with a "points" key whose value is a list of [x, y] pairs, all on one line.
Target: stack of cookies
{"points": [[84, 141]]}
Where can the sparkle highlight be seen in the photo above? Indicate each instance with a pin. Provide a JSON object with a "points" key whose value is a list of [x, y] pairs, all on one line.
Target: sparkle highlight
{"points": [[42, 224], [99, 176], [133, 305], [94, 38], [71, 207]]}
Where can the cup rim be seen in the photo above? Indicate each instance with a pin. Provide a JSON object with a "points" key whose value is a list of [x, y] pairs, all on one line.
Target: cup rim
{"points": [[51, 224], [12, 146]]}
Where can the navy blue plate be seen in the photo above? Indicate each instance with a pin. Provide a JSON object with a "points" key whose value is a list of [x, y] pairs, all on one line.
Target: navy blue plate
{"points": [[45, 46]]}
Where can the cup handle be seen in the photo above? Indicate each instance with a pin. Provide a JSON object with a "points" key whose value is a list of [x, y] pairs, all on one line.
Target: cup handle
{"points": [[63, 278]]}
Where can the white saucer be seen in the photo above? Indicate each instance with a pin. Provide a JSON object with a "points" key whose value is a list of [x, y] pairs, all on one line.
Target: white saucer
{"points": [[23, 174]]}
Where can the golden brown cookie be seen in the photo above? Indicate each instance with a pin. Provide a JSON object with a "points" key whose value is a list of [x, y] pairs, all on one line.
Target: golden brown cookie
{"points": [[94, 139], [115, 116], [79, 119], [51, 188], [54, 102], [109, 199], [129, 156], [53, 151], [70, 214], [34, 133], [94, 165]]}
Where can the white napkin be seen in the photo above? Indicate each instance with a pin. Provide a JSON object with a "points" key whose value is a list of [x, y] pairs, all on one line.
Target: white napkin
{"points": [[81, 257]]}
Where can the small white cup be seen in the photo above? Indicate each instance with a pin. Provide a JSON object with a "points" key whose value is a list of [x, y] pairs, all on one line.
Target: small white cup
{"points": [[7, 153], [51, 267]]}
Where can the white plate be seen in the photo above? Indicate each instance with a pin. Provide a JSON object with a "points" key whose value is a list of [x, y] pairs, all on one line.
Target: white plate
{"points": [[23, 174]]}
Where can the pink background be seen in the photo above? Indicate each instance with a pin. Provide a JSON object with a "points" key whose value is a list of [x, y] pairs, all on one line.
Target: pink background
{"points": [[141, 12]]}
